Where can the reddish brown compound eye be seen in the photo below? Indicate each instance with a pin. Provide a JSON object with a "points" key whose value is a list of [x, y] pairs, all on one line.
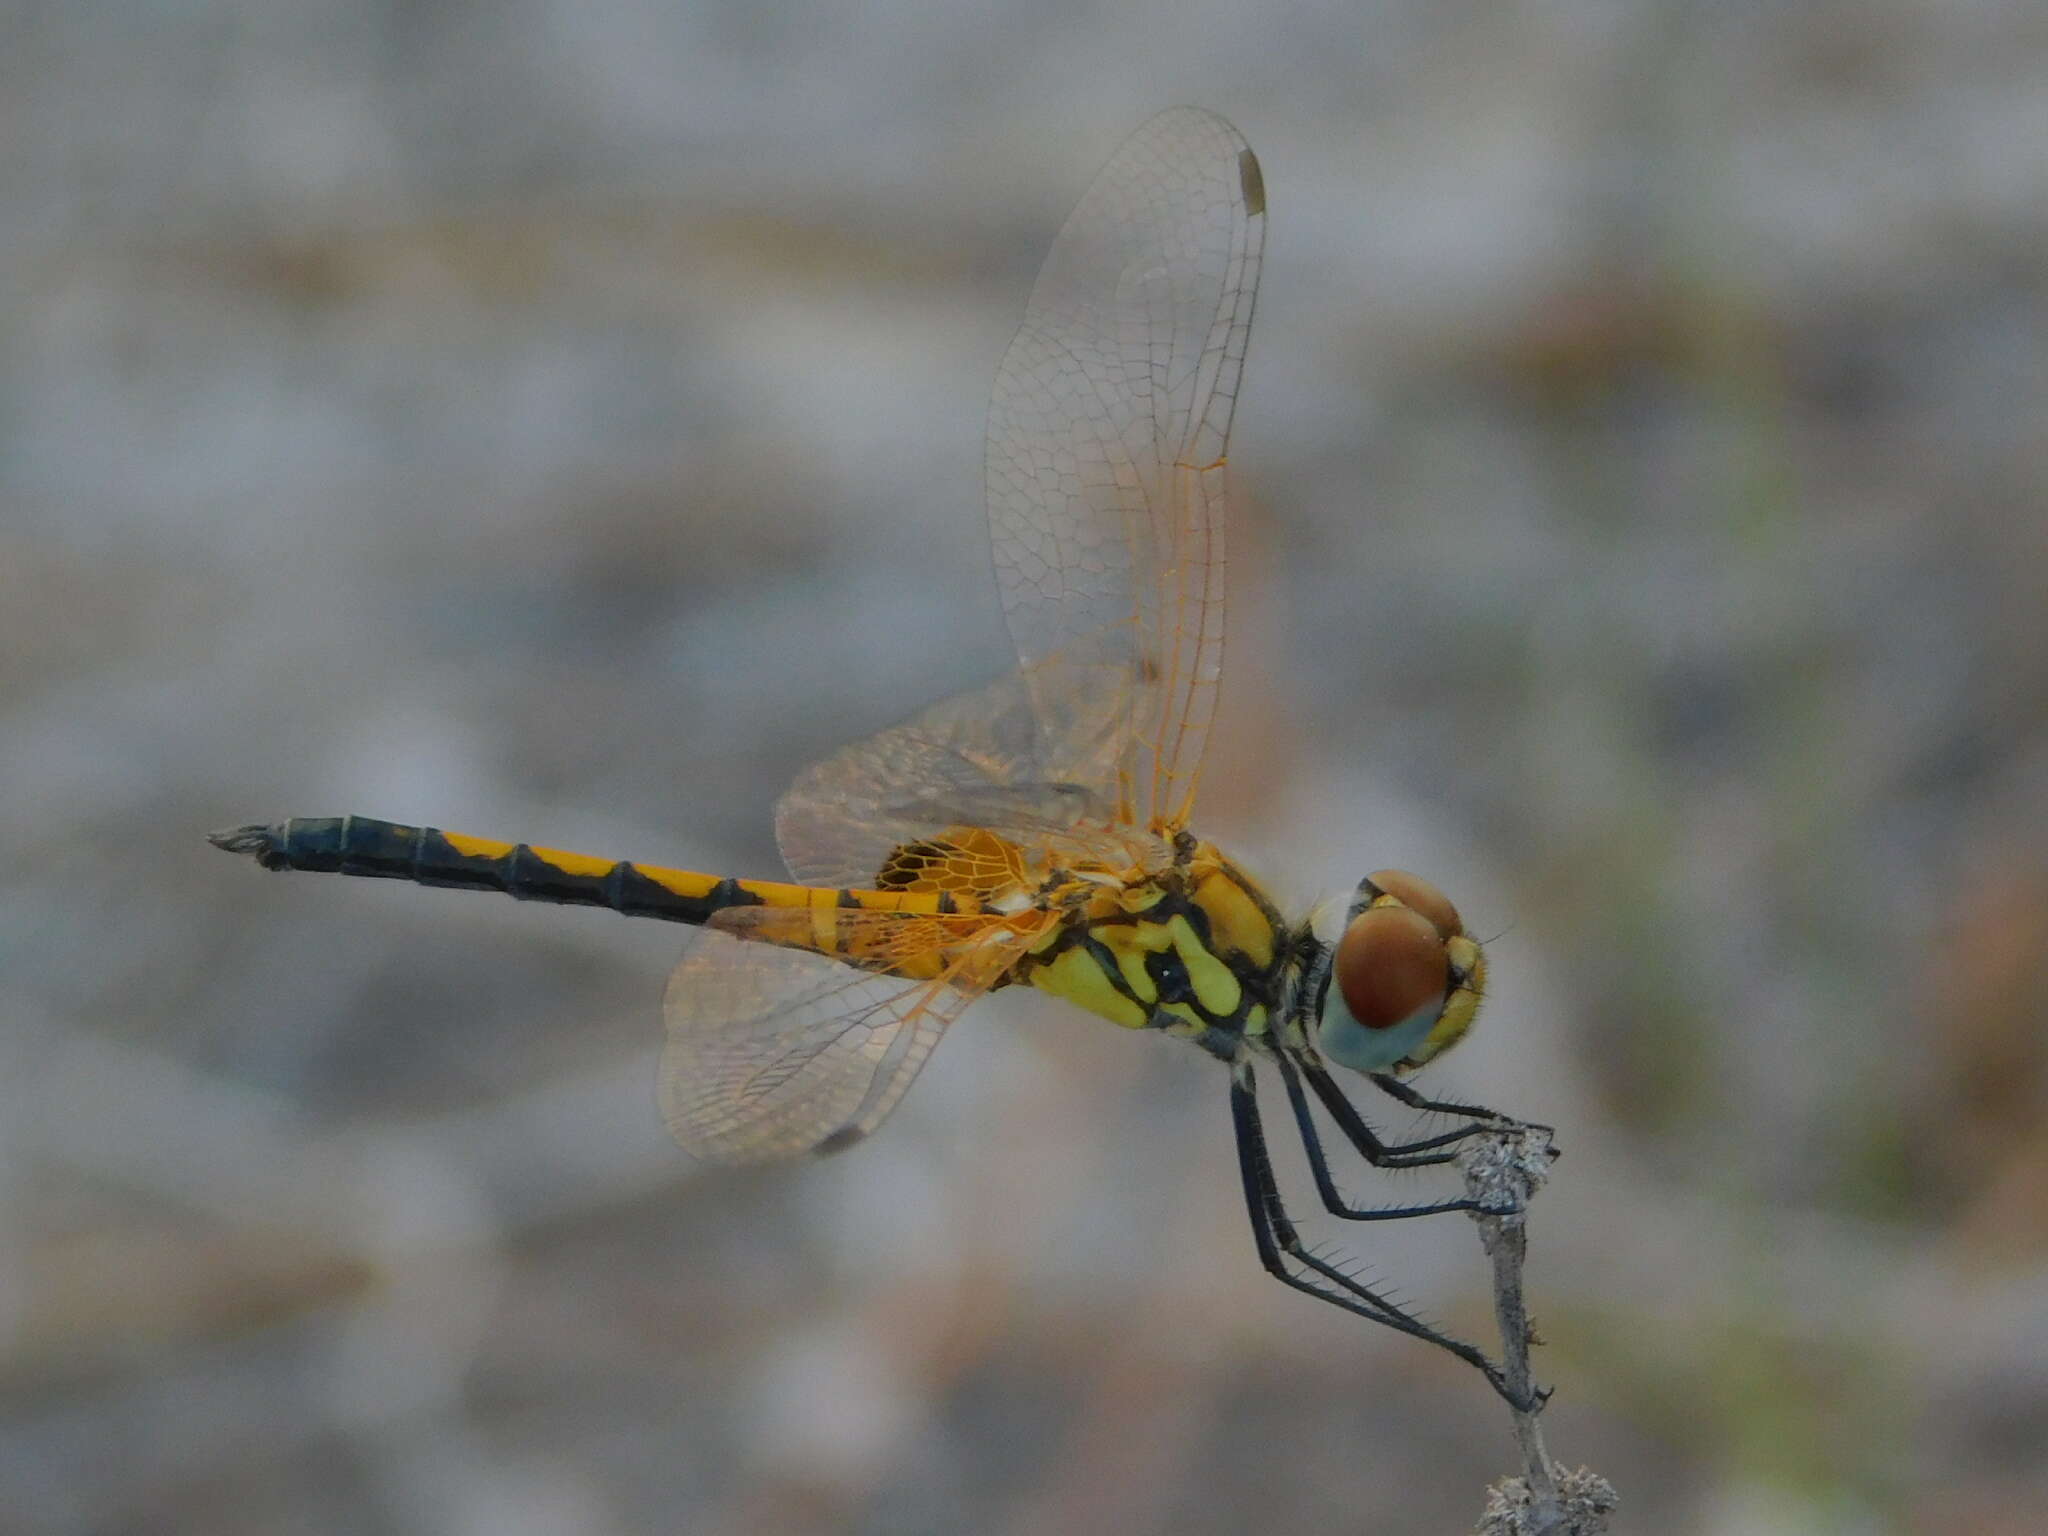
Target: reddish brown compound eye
{"points": [[1418, 895], [1391, 966]]}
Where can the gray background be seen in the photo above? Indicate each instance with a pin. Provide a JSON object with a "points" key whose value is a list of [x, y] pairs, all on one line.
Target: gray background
{"points": [[561, 420]]}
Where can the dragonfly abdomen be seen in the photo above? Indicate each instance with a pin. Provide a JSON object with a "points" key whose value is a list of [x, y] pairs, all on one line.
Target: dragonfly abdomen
{"points": [[367, 846]]}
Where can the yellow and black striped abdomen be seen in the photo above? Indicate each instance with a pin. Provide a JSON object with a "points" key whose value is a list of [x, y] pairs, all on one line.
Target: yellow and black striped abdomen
{"points": [[363, 845]]}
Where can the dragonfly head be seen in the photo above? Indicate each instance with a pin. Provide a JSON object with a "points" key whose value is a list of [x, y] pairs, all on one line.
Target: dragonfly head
{"points": [[1405, 979]]}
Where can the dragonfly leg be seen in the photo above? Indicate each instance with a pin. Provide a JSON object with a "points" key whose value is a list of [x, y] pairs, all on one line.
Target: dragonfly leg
{"points": [[1394, 1088], [1319, 1165], [1383, 1154], [1288, 1259]]}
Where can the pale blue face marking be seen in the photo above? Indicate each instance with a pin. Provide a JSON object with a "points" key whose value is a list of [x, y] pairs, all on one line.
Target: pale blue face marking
{"points": [[1350, 1044]]}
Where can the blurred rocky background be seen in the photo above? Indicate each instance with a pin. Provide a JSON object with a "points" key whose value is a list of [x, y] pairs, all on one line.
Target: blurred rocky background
{"points": [[562, 421]]}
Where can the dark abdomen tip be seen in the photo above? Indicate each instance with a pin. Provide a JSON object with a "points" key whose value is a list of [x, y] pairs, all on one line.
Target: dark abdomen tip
{"points": [[258, 841]]}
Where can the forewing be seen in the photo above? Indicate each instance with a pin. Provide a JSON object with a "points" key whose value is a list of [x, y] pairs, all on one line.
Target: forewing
{"points": [[1107, 433], [775, 1051]]}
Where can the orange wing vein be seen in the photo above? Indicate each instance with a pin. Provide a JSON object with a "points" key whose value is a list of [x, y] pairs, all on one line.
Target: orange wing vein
{"points": [[1108, 429]]}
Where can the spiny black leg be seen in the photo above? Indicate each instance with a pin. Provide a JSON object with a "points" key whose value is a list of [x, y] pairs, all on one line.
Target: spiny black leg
{"points": [[1278, 1242], [1394, 1088], [1404, 1154], [1319, 1163]]}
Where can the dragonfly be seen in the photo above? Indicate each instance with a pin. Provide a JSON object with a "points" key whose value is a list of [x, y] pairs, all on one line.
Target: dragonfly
{"points": [[1035, 832]]}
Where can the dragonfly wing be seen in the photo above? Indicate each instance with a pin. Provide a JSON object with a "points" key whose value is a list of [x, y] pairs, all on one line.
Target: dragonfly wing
{"points": [[775, 1051], [1108, 427], [979, 759]]}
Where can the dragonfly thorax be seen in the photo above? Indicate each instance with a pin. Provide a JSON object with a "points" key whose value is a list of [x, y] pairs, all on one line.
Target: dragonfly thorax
{"points": [[1195, 949]]}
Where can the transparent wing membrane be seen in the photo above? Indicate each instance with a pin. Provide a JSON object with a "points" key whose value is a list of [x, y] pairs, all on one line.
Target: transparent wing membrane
{"points": [[776, 1050], [1108, 428], [1107, 431]]}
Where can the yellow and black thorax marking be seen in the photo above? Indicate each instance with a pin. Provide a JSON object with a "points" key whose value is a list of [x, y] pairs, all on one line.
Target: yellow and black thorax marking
{"points": [[1195, 949]]}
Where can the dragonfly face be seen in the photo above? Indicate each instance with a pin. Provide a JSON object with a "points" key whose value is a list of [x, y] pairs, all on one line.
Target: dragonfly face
{"points": [[1036, 831], [1405, 980]]}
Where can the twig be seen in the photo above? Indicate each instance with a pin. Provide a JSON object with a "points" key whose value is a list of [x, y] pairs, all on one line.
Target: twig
{"points": [[1503, 1172]]}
